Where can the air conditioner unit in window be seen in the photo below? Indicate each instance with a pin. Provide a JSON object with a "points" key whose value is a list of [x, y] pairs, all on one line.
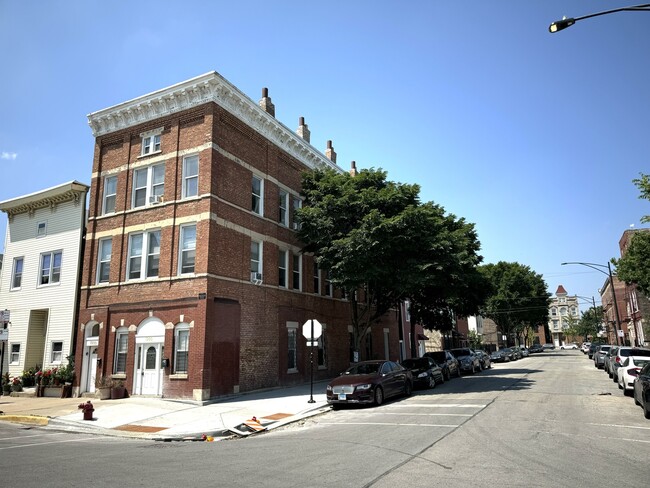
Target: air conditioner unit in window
{"points": [[155, 199], [256, 278]]}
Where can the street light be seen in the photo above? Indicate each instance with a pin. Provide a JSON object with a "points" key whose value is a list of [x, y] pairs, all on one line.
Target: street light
{"points": [[611, 284], [559, 25]]}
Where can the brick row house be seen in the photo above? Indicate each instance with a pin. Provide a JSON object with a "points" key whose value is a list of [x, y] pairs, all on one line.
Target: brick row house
{"points": [[194, 284], [637, 303]]}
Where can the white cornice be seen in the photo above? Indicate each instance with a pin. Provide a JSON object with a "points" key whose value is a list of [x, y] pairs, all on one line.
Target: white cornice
{"points": [[49, 197], [210, 87]]}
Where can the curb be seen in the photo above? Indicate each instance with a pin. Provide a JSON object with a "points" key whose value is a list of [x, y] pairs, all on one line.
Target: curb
{"points": [[25, 419]]}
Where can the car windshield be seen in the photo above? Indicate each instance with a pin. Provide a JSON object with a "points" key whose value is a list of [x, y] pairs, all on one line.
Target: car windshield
{"points": [[364, 368], [438, 356], [460, 352], [415, 363], [639, 352], [605, 348]]}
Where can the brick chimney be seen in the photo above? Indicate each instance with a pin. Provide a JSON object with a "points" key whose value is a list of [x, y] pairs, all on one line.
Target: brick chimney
{"points": [[266, 103], [303, 130], [329, 152], [353, 169]]}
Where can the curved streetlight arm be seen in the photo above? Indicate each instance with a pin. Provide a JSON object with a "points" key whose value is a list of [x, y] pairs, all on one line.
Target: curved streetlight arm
{"points": [[559, 25], [590, 265]]}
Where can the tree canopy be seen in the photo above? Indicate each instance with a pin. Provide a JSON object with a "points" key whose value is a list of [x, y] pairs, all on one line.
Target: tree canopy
{"points": [[381, 245], [518, 299]]}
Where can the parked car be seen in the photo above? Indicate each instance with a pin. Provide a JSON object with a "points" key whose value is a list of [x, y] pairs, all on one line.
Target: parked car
{"points": [[446, 361], [642, 390], [516, 350], [599, 355], [426, 372], [484, 359], [608, 358], [369, 382], [498, 357], [570, 345], [629, 371], [585, 347], [509, 354], [592, 349], [535, 348], [468, 360], [524, 352], [548, 347], [622, 353]]}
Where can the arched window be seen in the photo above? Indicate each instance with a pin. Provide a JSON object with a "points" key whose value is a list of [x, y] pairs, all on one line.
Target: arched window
{"points": [[181, 348]]}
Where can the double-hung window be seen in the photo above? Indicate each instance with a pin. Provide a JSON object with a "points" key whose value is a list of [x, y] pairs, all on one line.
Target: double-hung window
{"points": [[110, 193], [282, 268], [150, 144], [14, 354], [144, 255], [329, 291], [292, 347], [50, 268], [257, 190], [256, 261], [187, 259], [41, 229], [17, 273], [148, 185], [296, 203], [57, 352], [283, 209], [121, 346], [104, 260], [190, 176], [181, 348], [296, 272], [316, 277]]}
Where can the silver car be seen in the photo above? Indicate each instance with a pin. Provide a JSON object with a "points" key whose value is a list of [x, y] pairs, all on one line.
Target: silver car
{"points": [[599, 355]]}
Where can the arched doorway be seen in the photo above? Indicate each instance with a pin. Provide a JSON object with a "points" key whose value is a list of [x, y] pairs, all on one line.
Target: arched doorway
{"points": [[149, 348]]}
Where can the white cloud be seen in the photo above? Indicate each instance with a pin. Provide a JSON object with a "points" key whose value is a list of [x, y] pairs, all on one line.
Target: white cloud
{"points": [[8, 155]]}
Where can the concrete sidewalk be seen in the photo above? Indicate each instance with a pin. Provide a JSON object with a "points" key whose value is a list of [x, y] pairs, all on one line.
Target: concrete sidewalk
{"points": [[163, 419]]}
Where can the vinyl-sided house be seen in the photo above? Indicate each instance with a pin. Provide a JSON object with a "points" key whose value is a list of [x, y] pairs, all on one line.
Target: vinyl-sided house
{"points": [[40, 276], [194, 284]]}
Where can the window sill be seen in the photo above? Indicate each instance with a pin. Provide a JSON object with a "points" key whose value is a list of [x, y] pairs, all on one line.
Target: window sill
{"points": [[178, 376], [159, 151], [118, 376]]}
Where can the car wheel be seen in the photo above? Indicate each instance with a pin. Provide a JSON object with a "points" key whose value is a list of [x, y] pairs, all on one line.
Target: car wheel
{"points": [[615, 378], [432, 382], [646, 408], [379, 396], [408, 389], [336, 406], [446, 376], [636, 402], [458, 372], [442, 378]]}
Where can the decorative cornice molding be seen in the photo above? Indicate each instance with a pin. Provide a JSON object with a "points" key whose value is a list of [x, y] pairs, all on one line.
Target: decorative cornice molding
{"points": [[210, 87], [52, 197]]}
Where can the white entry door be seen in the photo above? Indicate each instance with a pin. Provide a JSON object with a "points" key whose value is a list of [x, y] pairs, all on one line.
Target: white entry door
{"points": [[92, 370], [148, 374]]}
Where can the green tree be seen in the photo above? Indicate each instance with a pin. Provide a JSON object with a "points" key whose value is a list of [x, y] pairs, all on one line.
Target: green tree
{"points": [[590, 323], [475, 340], [381, 245], [518, 299]]}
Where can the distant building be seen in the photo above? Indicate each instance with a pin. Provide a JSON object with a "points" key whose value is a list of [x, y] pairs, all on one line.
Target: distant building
{"points": [[562, 310], [616, 326], [637, 304], [40, 276]]}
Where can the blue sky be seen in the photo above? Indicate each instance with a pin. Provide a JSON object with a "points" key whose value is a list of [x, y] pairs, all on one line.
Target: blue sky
{"points": [[534, 137]]}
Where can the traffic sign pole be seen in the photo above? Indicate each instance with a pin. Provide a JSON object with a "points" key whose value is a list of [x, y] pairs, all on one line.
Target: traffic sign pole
{"points": [[311, 365]]}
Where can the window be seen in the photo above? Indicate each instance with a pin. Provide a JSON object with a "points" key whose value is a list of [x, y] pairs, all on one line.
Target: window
{"points": [[316, 278], [110, 192], [322, 359], [190, 176], [257, 190], [296, 203], [148, 185], [407, 310], [282, 268], [41, 229], [574, 311], [292, 357], [50, 268], [146, 266], [563, 311], [181, 348], [284, 208], [57, 352], [150, 144], [554, 311], [17, 274], [104, 260], [121, 347], [256, 261], [296, 285], [555, 324], [328, 285], [14, 355], [188, 249]]}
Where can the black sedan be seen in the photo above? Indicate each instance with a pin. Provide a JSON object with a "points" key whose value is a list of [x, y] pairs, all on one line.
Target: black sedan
{"points": [[369, 382], [642, 390], [426, 373]]}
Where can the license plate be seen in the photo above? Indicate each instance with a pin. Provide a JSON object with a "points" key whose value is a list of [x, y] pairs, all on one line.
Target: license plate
{"points": [[342, 396]]}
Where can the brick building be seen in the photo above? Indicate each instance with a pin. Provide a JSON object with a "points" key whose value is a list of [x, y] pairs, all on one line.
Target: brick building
{"points": [[193, 282], [637, 304]]}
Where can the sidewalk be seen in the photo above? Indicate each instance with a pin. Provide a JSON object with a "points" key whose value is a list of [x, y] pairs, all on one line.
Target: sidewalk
{"points": [[163, 419]]}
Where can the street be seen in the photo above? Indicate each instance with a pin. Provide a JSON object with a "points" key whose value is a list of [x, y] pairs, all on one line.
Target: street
{"points": [[548, 420]]}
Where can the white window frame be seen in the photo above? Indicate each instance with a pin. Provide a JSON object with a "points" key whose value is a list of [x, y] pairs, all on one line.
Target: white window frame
{"points": [[153, 190], [51, 275], [57, 355], [104, 260], [190, 180], [109, 181], [553, 312], [151, 143], [317, 278], [563, 311], [143, 256], [283, 207], [407, 311], [39, 226], [296, 274], [180, 348], [121, 349], [296, 203], [283, 268], [17, 275], [329, 289], [292, 345], [257, 264], [185, 249], [255, 198], [14, 356]]}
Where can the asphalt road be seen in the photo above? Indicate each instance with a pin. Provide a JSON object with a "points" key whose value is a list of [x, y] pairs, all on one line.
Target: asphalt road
{"points": [[551, 420]]}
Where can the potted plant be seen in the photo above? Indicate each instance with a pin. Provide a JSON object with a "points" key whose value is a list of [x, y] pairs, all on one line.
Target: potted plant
{"points": [[6, 385], [17, 384], [103, 385], [118, 390]]}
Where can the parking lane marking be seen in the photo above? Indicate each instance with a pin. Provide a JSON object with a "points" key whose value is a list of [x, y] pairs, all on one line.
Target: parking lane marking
{"points": [[439, 405], [393, 424], [26, 436], [46, 443], [429, 414], [618, 425]]}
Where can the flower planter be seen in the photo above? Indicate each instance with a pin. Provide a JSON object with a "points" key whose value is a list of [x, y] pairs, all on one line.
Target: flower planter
{"points": [[104, 393], [118, 392], [52, 391]]}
